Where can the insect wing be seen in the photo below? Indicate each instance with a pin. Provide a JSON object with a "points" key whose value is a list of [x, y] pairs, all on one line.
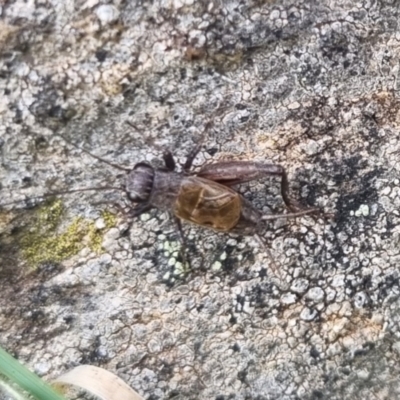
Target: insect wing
{"points": [[208, 203]]}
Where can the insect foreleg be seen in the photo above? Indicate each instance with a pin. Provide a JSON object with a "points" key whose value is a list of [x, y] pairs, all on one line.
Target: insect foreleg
{"points": [[133, 213], [235, 172], [140, 209], [169, 160]]}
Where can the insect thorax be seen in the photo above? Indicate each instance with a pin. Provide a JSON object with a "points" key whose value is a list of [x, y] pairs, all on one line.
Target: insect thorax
{"points": [[166, 187]]}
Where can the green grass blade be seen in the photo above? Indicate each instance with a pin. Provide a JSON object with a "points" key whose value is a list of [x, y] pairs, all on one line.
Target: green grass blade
{"points": [[16, 372], [12, 390]]}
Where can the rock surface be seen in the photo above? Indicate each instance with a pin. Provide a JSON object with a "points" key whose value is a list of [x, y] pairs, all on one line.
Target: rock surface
{"points": [[313, 86]]}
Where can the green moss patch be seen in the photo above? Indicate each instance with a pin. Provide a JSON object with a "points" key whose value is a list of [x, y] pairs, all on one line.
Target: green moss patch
{"points": [[45, 241]]}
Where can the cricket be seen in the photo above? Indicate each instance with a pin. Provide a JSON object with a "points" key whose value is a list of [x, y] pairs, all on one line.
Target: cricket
{"points": [[205, 198]]}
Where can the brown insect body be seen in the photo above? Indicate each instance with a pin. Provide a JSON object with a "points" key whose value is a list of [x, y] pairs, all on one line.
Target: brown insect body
{"points": [[204, 198]]}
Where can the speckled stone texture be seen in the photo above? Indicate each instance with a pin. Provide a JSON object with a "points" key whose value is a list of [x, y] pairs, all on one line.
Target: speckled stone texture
{"points": [[313, 86]]}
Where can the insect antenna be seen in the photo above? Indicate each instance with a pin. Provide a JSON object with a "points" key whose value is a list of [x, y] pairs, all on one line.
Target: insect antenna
{"points": [[93, 155], [326, 216], [52, 194]]}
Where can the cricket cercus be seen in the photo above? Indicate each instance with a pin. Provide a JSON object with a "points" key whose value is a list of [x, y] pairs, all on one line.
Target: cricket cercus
{"points": [[206, 197]]}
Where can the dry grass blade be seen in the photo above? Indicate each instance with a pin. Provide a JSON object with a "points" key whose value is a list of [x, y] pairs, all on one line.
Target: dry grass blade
{"points": [[99, 382]]}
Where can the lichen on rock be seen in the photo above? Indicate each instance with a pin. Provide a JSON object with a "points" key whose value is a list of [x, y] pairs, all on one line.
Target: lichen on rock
{"points": [[49, 239]]}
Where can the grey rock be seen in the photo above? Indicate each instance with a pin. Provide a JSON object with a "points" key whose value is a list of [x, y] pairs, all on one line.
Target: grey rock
{"points": [[311, 86]]}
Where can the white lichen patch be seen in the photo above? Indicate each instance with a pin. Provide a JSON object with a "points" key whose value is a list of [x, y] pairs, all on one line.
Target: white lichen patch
{"points": [[362, 211]]}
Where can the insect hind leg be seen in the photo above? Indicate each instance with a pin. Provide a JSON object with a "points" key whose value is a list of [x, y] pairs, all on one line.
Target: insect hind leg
{"points": [[231, 173], [301, 213]]}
